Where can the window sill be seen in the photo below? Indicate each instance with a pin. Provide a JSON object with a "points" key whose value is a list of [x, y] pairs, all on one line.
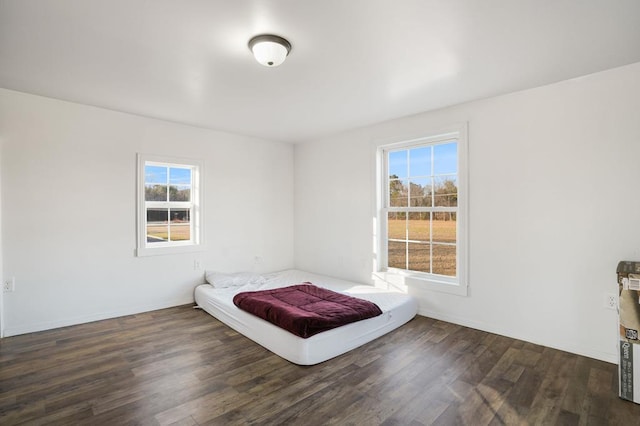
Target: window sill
{"points": [[403, 281], [158, 251]]}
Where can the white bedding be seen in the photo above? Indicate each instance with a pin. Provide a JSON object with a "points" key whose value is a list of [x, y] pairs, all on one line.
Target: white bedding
{"points": [[397, 309]]}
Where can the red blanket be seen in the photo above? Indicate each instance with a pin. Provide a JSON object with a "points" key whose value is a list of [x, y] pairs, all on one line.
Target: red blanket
{"points": [[305, 309]]}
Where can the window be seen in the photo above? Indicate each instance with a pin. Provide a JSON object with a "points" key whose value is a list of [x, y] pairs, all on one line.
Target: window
{"points": [[422, 209], [169, 205]]}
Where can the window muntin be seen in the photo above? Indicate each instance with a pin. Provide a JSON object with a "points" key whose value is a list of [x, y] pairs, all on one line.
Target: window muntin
{"points": [[421, 208], [169, 205]]}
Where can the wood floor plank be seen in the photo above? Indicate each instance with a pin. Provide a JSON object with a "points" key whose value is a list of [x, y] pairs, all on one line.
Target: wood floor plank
{"points": [[180, 366], [547, 404]]}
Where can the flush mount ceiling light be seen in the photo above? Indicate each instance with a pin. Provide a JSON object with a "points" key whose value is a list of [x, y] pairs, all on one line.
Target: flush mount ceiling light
{"points": [[270, 50]]}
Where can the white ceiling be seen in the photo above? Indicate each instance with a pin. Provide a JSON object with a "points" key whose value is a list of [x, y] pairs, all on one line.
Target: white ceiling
{"points": [[353, 62]]}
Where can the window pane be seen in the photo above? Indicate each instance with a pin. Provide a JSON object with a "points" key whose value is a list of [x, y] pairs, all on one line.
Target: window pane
{"points": [[420, 192], [157, 225], [445, 159], [444, 260], [446, 191], [180, 216], [398, 193], [179, 176], [418, 226], [180, 232], [179, 193], [428, 193], [155, 192], [420, 161], [419, 257], [398, 164], [397, 256], [155, 175], [397, 225], [444, 227], [180, 226], [180, 189]]}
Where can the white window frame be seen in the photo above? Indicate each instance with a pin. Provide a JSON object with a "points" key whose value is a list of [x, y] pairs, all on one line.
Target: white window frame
{"points": [[143, 248], [415, 279]]}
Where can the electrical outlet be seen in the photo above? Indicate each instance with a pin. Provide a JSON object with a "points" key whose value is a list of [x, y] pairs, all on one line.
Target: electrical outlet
{"points": [[9, 285], [610, 301]]}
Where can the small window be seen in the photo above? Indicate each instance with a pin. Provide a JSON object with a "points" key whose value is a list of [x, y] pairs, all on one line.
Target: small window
{"points": [[169, 205], [423, 210]]}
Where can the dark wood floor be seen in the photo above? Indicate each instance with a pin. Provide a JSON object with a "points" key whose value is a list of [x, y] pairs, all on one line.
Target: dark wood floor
{"points": [[181, 366]]}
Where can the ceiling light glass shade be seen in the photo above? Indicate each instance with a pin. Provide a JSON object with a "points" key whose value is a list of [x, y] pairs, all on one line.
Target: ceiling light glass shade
{"points": [[269, 50]]}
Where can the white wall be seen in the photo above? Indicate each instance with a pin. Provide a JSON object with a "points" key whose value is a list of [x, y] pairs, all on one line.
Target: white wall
{"points": [[554, 175], [68, 175]]}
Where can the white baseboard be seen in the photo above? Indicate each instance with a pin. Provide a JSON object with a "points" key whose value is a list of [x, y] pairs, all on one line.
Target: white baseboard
{"points": [[131, 310], [583, 351]]}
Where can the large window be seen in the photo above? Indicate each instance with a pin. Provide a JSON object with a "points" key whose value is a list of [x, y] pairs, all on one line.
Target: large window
{"points": [[169, 205], [422, 215]]}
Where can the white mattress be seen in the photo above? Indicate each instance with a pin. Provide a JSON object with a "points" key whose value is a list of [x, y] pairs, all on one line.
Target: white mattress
{"points": [[397, 309]]}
